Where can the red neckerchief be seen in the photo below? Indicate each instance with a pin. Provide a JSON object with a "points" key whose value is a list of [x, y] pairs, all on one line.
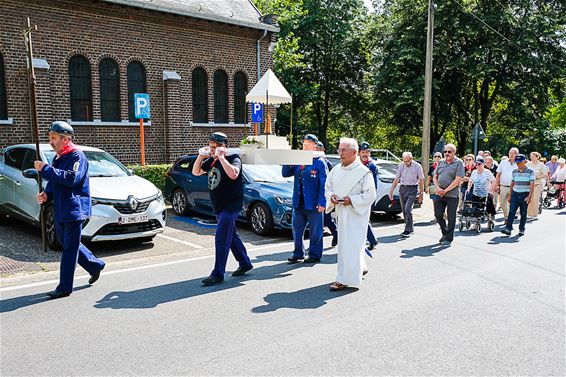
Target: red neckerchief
{"points": [[67, 149], [365, 162]]}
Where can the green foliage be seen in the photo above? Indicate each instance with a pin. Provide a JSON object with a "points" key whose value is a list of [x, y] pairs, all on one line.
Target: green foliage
{"points": [[156, 174]]}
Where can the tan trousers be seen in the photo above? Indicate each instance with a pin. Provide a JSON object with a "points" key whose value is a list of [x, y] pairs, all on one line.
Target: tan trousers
{"points": [[503, 197], [532, 211]]}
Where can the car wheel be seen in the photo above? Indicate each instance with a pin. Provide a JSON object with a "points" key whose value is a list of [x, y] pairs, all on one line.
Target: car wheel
{"points": [[261, 219], [180, 203], [52, 239]]}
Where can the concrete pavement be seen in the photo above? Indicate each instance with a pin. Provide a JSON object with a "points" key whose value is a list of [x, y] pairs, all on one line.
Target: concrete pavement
{"points": [[488, 305]]}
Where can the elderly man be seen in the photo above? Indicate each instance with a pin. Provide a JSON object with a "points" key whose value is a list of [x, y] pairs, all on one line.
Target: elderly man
{"points": [[410, 175], [69, 190], [308, 203], [351, 189], [365, 158], [447, 178], [503, 180], [522, 187]]}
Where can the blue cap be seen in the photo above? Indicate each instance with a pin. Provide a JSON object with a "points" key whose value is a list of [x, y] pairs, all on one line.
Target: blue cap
{"points": [[364, 146], [320, 145], [520, 158], [219, 137], [311, 137]]}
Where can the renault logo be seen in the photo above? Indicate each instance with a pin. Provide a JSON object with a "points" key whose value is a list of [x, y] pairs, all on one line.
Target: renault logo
{"points": [[133, 202]]}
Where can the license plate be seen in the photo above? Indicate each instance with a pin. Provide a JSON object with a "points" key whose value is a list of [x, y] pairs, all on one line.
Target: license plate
{"points": [[132, 219]]}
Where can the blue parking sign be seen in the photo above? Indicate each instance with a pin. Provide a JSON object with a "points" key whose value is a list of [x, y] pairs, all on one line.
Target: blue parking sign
{"points": [[141, 106], [257, 112]]}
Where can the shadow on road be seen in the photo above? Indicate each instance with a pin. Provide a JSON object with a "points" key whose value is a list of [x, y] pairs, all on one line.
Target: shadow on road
{"points": [[503, 239], [308, 298], [423, 251], [151, 297], [23, 301]]}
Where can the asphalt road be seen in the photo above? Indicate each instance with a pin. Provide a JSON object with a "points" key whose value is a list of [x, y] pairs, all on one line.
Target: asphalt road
{"points": [[487, 305]]}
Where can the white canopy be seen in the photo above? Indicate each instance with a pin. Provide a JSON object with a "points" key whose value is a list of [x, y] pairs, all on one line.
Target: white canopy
{"points": [[276, 91]]}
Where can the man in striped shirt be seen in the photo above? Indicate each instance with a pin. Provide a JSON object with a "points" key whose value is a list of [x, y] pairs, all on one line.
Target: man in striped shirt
{"points": [[522, 186]]}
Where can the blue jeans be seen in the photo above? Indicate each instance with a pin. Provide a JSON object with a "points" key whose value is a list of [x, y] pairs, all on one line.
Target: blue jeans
{"points": [[74, 252], [226, 238], [314, 219], [517, 201], [329, 223]]}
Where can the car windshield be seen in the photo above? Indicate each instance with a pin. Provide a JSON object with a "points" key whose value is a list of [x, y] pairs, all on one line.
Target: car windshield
{"points": [[100, 164], [387, 167], [265, 173]]}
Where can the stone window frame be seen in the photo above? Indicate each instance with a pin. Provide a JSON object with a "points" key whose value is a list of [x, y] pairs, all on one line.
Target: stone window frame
{"points": [[239, 94], [199, 92], [142, 88], [221, 97], [3, 94], [106, 92], [88, 82]]}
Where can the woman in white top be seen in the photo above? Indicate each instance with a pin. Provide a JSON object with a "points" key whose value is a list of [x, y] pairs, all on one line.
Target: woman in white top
{"points": [[481, 185], [540, 173], [559, 177]]}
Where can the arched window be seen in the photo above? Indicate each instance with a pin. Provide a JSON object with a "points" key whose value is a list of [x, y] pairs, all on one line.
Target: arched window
{"points": [[109, 90], [81, 88], [200, 96], [240, 89], [220, 97], [3, 102], [136, 84]]}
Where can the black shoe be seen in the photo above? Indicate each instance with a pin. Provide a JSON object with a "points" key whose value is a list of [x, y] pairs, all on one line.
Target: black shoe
{"points": [[242, 270], [312, 260], [57, 294], [212, 280], [371, 246], [406, 234], [446, 243], [334, 241], [94, 277], [521, 233], [364, 272], [506, 231], [293, 260], [442, 239]]}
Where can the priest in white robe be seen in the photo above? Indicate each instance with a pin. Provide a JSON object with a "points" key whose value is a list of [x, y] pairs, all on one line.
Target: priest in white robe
{"points": [[350, 188]]}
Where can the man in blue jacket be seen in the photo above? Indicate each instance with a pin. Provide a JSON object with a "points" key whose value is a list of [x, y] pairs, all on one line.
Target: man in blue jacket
{"points": [[309, 203], [365, 158], [68, 188]]}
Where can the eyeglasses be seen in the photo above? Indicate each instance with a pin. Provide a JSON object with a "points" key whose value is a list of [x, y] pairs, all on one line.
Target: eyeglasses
{"points": [[437, 156], [469, 159], [343, 150], [449, 152]]}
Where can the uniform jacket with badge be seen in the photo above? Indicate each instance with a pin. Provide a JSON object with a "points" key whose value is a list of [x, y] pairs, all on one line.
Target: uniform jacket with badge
{"points": [[68, 186], [313, 180], [372, 166]]}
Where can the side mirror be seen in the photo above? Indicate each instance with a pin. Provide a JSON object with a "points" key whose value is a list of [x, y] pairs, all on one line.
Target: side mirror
{"points": [[30, 173]]}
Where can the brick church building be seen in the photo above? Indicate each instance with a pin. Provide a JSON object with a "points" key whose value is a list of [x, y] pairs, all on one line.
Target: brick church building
{"points": [[195, 58]]}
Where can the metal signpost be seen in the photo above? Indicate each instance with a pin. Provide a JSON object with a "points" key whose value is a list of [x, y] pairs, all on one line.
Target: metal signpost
{"points": [[141, 111]]}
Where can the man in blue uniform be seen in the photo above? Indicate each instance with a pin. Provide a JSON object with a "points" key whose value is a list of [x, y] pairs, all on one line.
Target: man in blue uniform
{"points": [[365, 158], [227, 195], [309, 203], [68, 188], [328, 221]]}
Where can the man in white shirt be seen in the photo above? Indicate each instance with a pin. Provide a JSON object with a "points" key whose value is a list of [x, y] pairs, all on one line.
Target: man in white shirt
{"points": [[503, 179]]}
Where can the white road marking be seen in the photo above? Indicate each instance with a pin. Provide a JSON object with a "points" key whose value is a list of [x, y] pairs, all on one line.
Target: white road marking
{"points": [[180, 241], [114, 272]]}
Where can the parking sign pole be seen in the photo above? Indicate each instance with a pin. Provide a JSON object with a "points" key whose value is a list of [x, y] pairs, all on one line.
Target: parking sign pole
{"points": [[35, 121], [142, 143]]}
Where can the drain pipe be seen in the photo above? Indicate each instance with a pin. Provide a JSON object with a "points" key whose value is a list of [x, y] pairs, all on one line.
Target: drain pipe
{"points": [[258, 55]]}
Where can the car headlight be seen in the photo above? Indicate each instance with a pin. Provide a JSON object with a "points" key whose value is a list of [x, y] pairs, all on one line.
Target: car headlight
{"points": [[284, 201], [159, 197]]}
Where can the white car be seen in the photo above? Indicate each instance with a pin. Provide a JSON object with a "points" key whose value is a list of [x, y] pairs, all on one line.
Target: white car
{"points": [[124, 206], [387, 170]]}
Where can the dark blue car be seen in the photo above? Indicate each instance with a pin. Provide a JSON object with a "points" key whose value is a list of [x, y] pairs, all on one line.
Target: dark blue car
{"points": [[267, 195]]}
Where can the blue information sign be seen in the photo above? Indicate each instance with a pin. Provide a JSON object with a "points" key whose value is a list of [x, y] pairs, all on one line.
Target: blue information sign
{"points": [[257, 112], [141, 106]]}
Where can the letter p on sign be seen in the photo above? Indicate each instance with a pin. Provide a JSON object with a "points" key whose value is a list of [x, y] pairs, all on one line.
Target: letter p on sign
{"points": [[141, 106]]}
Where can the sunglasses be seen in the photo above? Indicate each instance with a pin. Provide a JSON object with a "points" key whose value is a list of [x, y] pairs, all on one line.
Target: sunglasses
{"points": [[449, 152], [437, 156], [469, 159]]}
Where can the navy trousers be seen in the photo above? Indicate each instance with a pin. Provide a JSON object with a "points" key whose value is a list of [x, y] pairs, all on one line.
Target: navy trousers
{"points": [[226, 238], [370, 236], [314, 219], [329, 223], [74, 251], [517, 201]]}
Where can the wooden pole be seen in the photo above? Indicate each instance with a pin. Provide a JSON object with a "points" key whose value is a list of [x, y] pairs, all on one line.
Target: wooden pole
{"points": [[35, 121], [425, 151]]}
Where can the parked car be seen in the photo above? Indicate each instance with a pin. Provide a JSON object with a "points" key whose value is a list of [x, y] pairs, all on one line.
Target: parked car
{"points": [[124, 206], [387, 170], [267, 194]]}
